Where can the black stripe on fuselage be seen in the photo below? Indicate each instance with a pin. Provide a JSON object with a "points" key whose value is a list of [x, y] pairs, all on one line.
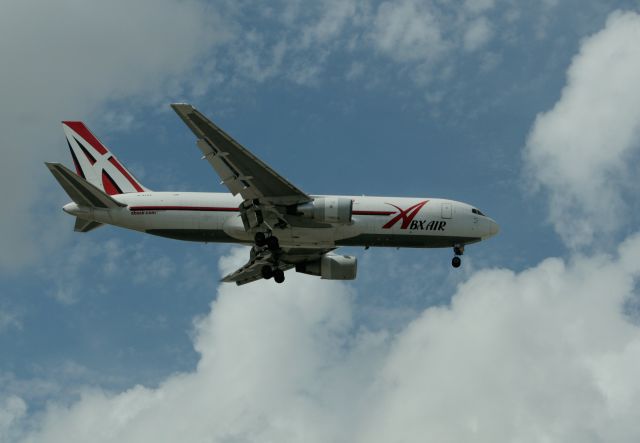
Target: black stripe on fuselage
{"points": [[406, 241]]}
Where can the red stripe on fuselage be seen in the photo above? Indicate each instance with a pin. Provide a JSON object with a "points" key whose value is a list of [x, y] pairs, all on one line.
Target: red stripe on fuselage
{"points": [[373, 212], [221, 209], [183, 208]]}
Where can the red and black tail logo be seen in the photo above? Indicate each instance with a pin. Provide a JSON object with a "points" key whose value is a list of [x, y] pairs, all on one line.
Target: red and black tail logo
{"points": [[96, 164], [406, 215]]}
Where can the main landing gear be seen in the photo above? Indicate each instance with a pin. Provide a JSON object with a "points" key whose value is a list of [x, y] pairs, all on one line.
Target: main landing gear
{"points": [[268, 272], [458, 250], [271, 243]]}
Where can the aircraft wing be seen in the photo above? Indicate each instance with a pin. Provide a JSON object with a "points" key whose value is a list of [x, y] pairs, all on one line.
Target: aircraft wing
{"points": [[285, 260], [241, 171]]}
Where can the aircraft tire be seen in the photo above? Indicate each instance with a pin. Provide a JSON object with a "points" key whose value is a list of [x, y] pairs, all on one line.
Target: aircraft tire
{"points": [[267, 272], [260, 239], [456, 262], [278, 275], [272, 243]]}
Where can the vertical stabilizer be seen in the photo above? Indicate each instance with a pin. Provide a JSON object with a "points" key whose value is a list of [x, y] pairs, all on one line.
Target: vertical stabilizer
{"points": [[96, 164]]}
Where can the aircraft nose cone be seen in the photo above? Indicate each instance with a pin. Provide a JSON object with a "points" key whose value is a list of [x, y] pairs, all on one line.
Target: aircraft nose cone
{"points": [[494, 228]]}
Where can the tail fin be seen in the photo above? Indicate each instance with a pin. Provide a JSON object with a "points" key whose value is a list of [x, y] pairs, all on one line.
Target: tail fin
{"points": [[96, 164]]}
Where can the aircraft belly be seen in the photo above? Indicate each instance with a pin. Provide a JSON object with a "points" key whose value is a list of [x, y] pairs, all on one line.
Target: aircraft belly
{"points": [[119, 217], [198, 235], [234, 228], [425, 232], [406, 240]]}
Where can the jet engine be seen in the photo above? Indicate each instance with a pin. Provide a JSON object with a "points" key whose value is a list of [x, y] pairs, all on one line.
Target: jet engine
{"points": [[331, 267], [328, 209]]}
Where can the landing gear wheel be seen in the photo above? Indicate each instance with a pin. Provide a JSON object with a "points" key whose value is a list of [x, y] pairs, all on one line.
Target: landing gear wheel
{"points": [[260, 239], [267, 272], [456, 262], [272, 243], [278, 275]]}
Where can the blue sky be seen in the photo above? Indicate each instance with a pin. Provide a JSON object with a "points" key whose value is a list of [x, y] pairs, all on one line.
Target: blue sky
{"points": [[530, 111]]}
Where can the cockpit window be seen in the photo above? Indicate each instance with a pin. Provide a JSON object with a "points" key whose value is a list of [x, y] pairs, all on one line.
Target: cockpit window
{"points": [[477, 211]]}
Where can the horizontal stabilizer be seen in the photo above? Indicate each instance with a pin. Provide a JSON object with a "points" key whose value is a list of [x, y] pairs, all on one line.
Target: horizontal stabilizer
{"points": [[83, 225], [81, 191]]}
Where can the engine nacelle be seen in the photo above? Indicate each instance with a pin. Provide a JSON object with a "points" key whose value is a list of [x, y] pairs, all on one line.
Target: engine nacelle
{"points": [[328, 209], [331, 267]]}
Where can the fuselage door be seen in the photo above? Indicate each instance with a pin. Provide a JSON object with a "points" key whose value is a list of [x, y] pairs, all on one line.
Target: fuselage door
{"points": [[447, 211]]}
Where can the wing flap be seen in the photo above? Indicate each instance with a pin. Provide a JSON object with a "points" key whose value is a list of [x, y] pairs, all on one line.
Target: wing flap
{"points": [[230, 177]]}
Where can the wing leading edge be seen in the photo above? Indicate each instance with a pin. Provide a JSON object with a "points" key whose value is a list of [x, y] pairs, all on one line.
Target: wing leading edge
{"points": [[241, 171]]}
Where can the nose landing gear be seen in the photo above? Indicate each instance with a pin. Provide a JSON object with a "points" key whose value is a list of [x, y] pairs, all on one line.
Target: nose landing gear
{"points": [[458, 250]]}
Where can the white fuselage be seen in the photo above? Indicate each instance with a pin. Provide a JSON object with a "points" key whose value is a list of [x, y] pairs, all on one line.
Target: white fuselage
{"points": [[376, 221]]}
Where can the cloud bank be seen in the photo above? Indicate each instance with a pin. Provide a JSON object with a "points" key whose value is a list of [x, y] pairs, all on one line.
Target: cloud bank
{"points": [[542, 355], [582, 152]]}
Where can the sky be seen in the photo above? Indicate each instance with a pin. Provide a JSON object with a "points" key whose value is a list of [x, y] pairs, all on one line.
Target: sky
{"points": [[528, 110]]}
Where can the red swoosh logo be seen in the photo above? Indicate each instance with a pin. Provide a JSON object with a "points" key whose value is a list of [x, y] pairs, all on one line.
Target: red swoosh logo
{"points": [[406, 215]]}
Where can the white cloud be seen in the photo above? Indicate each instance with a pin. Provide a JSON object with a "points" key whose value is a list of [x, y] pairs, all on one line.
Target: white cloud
{"points": [[580, 151], [355, 71], [69, 62], [541, 355], [331, 22], [479, 6], [477, 35], [418, 34], [67, 275], [408, 31], [9, 319], [12, 409]]}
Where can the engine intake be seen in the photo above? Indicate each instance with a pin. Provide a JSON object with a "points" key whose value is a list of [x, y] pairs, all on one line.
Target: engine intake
{"points": [[331, 267], [328, 209]]}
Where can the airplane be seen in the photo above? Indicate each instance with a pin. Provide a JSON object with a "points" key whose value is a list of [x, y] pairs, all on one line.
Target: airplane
{"points": [[285, 227]]}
